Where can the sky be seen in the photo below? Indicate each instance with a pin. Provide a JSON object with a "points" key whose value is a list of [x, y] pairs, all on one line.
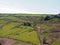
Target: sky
{"points": [[30, 6]]}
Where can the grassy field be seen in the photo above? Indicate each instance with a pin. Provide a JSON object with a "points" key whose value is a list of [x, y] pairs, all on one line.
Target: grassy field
{"points": [[11, 27]]}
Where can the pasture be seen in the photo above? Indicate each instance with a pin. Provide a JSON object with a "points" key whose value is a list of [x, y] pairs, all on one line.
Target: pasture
{"points": [[12, 27]]}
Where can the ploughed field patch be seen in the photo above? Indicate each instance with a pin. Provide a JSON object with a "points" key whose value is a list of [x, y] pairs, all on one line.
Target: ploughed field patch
{"points": [[51, 34], [10, 41]]}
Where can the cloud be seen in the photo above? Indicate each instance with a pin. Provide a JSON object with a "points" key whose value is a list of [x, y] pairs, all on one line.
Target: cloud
{"points": [[4, 9]]}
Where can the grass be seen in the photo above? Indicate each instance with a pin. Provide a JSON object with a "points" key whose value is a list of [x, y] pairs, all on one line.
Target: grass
{"points": [[24, 33], [56, 43]]}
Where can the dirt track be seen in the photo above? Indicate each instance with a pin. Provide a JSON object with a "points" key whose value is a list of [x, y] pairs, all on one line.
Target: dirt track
{"points": [[7, 41]]}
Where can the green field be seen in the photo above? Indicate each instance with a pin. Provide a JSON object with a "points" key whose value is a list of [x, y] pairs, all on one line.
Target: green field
{"points": [[11, 26]]}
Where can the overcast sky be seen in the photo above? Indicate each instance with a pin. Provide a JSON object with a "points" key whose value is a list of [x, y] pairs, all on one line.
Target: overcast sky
{"points": [[30, 6]]}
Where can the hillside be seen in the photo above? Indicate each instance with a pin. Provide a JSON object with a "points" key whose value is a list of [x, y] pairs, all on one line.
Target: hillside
{"points": [[29, 29]]}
